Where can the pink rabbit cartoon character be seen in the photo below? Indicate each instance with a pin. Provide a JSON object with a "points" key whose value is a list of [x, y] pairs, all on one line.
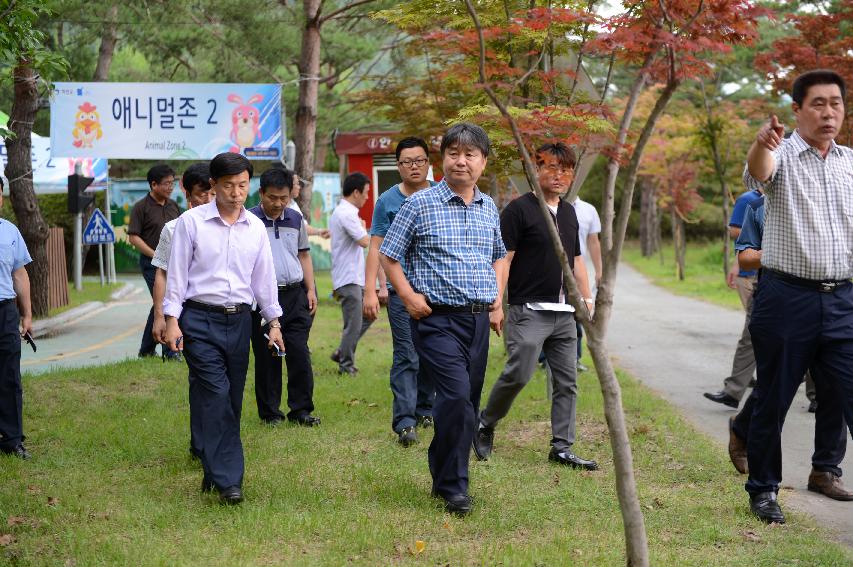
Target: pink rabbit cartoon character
{"points": [[244, 122]]}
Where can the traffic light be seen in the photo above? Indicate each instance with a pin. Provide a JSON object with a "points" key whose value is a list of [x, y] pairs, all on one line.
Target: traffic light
{"points": [[77, 199]]}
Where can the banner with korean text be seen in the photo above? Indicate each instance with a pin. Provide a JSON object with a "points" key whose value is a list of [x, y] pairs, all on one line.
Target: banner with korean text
{"points": [[165, 120]]}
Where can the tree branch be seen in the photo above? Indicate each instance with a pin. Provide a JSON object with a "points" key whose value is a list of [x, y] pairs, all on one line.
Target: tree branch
{"points": [[333, 14]]}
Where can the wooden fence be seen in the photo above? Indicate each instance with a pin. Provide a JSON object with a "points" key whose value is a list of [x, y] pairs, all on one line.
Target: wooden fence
{"points": [[57, 278]]}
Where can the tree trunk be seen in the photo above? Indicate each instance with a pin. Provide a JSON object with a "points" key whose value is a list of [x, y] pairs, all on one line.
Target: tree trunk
{"points": [[19, 172], [306, 111], [109, 38], [678, 242], [649, 228]]}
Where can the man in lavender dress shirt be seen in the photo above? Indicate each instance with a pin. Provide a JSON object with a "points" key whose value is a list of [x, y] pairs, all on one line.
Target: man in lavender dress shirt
{"points": [[209, 292]]}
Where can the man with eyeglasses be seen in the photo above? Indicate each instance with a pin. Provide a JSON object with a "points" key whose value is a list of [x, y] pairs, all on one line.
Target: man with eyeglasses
{"points": [[413, 392], [538, 316], [147, 219]]}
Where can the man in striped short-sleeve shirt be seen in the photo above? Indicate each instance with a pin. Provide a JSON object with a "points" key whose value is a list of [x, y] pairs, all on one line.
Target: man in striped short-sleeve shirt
{"points": [[802, 317]]}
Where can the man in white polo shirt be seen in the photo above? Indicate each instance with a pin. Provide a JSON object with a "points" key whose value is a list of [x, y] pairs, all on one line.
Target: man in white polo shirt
{"points": [[349, 239]]}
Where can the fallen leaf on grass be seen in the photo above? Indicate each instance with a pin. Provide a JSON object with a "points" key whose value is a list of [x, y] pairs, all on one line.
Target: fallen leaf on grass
{"points": [[33, 489], [658, 502], [446, 525], [52, 500], [353, 402], [418, 548], [373, 405], [16, 521], [7, 539], [750, 535]]}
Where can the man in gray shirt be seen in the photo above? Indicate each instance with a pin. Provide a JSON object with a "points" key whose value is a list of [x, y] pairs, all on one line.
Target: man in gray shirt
{"points": [[349, 239], [294, 274]]}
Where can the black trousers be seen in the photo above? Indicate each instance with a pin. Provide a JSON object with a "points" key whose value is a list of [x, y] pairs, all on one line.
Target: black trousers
{"points": [[795, 328], [11, 392], [216, 348], [295, 327], [148, 347], [829, 447], [453, 349]]}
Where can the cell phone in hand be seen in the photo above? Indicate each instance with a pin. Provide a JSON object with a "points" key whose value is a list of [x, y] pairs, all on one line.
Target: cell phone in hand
{"points": [[276, 350], [29, 338]]}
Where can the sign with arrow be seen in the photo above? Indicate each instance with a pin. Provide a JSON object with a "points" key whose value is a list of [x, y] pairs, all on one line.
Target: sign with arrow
{"points": [[98, 231]]}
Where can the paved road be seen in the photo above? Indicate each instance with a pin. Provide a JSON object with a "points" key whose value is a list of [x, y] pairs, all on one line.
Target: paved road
{"points": [[108, 335], [682, 347]]}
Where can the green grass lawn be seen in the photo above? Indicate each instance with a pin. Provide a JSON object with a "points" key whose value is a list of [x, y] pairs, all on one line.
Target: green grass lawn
{"points": [[92, 291], [111, 481], [703, 273]]}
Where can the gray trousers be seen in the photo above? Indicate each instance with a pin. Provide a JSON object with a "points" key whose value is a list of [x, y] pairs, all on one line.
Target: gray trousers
{"points": [[743, 363], [528, 333], [355, 325]]}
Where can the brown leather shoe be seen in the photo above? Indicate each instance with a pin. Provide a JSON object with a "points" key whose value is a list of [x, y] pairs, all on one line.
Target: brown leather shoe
{"points": [[829, 485], [737, 450]]}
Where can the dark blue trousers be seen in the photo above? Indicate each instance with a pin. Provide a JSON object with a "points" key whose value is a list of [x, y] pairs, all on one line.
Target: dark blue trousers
{"points": [[795, 328], [11, 392], [829, 447], [295, 327], [148, 347], [216, 348], [413, 392], [453, 349]]}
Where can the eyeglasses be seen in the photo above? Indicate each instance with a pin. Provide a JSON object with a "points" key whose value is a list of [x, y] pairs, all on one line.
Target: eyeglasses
{"points": [[555, 170], [420, 162], [167, 183]]}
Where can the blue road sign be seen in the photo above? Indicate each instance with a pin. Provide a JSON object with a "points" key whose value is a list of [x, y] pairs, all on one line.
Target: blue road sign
{"points": [[98, 231]]}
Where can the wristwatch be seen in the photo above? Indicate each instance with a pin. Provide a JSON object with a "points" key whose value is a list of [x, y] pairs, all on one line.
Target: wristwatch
{"points": [[275, 325]]}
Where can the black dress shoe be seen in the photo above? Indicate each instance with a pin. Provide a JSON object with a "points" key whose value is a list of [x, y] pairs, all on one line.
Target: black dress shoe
{"points": [[306, 420], [425, 421], [722, 398], [272, 420], [18, 451], [766, 508], [459, 504], [571, 460], [231, 495], [484, 440], [408, 436], [336, 356]]}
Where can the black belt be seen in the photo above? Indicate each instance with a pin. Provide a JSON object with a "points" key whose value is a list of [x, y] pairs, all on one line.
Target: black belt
{"points": [[226, 309], [824, 286], [470, 308], [289, 286], [5, 301]]}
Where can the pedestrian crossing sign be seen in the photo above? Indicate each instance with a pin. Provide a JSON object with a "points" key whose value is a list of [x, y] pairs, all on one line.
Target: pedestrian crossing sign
{"points": [[98, 231]]}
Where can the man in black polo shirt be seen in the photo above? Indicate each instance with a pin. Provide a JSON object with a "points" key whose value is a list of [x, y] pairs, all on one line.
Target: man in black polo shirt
{"points": [[147, 219], [538, 316]]}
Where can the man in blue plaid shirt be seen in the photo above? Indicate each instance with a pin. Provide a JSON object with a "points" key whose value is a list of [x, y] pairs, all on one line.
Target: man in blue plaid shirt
{"points": [[450, 240]]}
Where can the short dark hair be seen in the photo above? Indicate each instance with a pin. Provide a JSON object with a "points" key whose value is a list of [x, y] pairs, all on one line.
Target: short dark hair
{"points": [[159, 172], [817, 77], [196, 175], [355, 182], [466, 135], [410, 142], [277, 178], [229, 163], [564, 154]]}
